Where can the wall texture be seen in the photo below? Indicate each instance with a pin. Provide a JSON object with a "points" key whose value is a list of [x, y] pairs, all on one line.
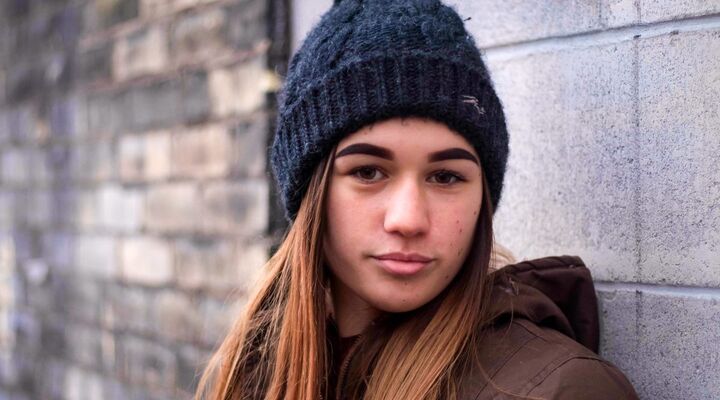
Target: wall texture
{"points": [[613, 108], [134, 203]]}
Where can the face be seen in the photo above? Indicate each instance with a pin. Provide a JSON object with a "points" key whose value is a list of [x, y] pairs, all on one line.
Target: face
{"points": [[402, 205]]}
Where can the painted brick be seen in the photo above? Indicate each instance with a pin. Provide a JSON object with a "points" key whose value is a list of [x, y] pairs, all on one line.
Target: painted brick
{"points": [[173, 207], [144, 157], [238, 89], [96, 256], [144, 51], [660, 10], [569, 189], [146, 261], [679, 100], [204, 152], [240, 208]]}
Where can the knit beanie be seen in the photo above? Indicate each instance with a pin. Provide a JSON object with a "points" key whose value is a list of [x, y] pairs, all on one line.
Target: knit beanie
{"points": [[371, 60]]}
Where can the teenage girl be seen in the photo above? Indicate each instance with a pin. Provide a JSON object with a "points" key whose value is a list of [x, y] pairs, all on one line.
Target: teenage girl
{"points": [[389, 156]]}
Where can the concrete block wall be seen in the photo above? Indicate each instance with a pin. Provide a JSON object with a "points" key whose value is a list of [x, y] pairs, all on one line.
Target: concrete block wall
{"points": [[134, 202], [613, 108]]}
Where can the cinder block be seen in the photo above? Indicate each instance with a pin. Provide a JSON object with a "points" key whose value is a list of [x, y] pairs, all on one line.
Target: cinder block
{"points": [[173, 207], [619, 329], [144, 51], [204, 152], [238, 89], [146, 261], [679, 183], [240, 208], [571, 179], [501, 22], [661, 10], [615, 13], [96, 256]]}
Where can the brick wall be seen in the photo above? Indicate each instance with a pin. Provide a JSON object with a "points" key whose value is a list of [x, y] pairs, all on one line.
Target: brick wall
{"points": [[134, 201], [613, 108]]}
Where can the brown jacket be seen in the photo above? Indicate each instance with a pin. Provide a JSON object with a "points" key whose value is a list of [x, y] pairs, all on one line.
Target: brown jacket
{"points": [[544, 339]]}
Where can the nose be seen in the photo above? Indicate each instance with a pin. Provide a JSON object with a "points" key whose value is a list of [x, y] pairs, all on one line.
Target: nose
{"points": [[407, 210]]}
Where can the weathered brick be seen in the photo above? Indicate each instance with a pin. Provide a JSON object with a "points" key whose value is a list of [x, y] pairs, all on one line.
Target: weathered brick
{"points": [[15, 164], [96, 63], [250, 147], [238, 89], [199, 261], [120, 209], [173, 207], [196, 97], [96, 256], [146, 261], [155, 105], [679, 101], [94, 161], [240, 208], [81, 298], [147, 363], [176, 316], [102, 14], [204, 152], [108, 112], [659, 10], [246, 23], [144, 51], [198, 36], [569, 189], [128, 309], [145, 157]]}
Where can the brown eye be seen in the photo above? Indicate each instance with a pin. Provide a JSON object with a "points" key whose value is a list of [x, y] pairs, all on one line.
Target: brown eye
{"points": [[446, 178], [367, 173]]}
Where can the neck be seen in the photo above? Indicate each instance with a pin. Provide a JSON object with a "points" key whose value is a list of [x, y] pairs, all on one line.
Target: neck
{"points": [[352, 314]]}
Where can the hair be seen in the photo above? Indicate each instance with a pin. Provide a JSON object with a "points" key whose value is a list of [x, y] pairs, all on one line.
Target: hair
{"points": [[277, 348]]}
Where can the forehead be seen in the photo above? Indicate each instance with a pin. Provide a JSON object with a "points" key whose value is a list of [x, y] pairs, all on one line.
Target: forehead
{"points": [[408, 134]]}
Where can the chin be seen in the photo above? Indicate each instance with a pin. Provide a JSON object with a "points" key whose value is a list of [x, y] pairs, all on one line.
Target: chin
{"points": [[397, 303]]}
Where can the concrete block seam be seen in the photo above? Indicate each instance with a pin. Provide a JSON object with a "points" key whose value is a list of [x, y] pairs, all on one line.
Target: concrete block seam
{"points": [[704, 293]]}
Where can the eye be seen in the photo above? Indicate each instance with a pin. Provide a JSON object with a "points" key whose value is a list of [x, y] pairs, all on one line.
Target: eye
{"points": [[446, 178], [367, 173]]}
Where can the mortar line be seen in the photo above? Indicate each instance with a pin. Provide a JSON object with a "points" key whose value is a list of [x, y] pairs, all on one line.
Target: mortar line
{"points": [[599, 37], [651, 288]]}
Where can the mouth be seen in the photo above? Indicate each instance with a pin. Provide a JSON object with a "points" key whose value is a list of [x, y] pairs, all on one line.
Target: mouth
{"points": [[402, 264]]}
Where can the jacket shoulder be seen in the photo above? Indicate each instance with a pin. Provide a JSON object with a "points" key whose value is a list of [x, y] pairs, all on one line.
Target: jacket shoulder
{"points": [[522, 358]]}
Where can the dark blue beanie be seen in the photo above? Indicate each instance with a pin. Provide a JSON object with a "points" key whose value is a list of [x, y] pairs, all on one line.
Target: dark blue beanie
{"points": [[371, 60]]}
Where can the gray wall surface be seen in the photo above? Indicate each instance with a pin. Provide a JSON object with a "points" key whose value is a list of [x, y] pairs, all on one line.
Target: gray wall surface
{"points": [[613, 108]]}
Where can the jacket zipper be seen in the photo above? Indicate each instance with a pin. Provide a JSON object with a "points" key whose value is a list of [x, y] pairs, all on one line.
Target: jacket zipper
{"points": [[344, 366]]}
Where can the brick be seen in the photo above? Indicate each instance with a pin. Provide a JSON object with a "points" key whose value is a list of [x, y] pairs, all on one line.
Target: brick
{"points": [[20, 122], [7, 210], [81, 384], [250, 148], [120, 209], [247, 23], [198, 36], [571, 178], [657, 10], [129, 309], [96, 63], [196, 97], [145, 157], [96, 256], [57, 249], [94, 161], [102, 14], [679, 97], [81, 298], [157, 8], [39, 165], [84, 345], [146, 261], [147, 363], [204, 152], [173, 207], [199, 261], [240, 208], [250, 261], [176, 316], [238, 89], [141, 52], [68, 117], [155, 105], [619, 12], [38, 208], [16, 166], [191, 362], [219, 316], [108, 112]]}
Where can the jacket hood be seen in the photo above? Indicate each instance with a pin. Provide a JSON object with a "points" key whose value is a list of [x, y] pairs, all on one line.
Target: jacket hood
{"points": [[555, 292]]}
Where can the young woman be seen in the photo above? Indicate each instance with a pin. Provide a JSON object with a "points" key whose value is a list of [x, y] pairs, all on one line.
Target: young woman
{"points": [[390, 155]]}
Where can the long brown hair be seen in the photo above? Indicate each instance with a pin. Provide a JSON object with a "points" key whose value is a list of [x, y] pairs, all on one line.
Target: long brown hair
{"points": [[277, 348]]}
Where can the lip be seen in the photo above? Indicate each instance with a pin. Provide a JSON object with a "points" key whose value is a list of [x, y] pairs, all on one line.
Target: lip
{"points": [[404, 264]]}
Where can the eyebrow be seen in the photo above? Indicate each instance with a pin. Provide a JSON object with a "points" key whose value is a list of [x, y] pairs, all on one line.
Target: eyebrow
{"points": [[454, 153]]}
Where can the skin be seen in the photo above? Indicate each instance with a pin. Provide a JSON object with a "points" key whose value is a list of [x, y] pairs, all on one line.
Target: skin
{"points": [[409, 204]]}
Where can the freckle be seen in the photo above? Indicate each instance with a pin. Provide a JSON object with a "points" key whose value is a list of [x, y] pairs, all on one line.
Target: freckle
{"points": [[460, 230]]}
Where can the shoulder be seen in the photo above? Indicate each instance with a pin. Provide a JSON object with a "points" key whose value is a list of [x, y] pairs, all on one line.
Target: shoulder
{"points": [[522, 358]]}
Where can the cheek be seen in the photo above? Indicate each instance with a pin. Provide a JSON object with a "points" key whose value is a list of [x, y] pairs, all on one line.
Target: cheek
{"points": [[455, 227]]}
